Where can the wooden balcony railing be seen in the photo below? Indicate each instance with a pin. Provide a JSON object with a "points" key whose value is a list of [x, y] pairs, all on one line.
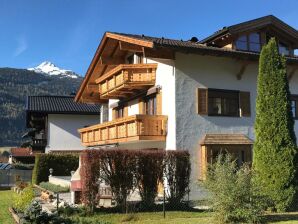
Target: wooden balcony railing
{"points": [[127, 129], [125, 79]]}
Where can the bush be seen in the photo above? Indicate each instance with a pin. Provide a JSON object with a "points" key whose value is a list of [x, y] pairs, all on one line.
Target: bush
{"points": [[22, 166], [126, 170], [62, 165], [149, 171], [233, 198], [177, 172], [23, 200], [34, 214], [53, 187], [118, 170]]}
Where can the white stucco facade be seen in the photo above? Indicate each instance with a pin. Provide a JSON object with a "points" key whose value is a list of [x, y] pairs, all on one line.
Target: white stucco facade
{"points": [[179, 80], [62, 130]]}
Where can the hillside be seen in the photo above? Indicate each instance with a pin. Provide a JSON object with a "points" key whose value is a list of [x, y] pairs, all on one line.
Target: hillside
{"points": [[15, 85]]}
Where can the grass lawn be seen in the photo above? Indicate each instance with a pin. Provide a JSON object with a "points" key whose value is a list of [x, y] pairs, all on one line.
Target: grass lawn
{"points": [[177, 218], [152, 218], [5, 202], [146, 217]]}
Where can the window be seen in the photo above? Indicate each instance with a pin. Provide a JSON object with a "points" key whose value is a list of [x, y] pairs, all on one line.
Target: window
{"points": [[150, 105], [223, 102], [130, 59], [219, 102], [283, 49], [250, 42], [294, 104]]}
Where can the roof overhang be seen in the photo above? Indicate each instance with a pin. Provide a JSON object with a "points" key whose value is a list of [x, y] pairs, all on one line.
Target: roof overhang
{"points": [[109, 53], [266, 22], [226, 139]]}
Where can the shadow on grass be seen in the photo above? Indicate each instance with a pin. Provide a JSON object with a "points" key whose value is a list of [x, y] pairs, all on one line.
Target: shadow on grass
{"points": [[278, 217]]}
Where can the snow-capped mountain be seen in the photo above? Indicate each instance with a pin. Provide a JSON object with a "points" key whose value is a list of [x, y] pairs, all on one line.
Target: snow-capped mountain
{"points": [[48, 68]]}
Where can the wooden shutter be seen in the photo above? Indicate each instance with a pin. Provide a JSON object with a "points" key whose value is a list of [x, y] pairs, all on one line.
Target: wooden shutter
{"points": [[202, 100], [125, 111], [141, 106], [244, 104], [159, 103]]}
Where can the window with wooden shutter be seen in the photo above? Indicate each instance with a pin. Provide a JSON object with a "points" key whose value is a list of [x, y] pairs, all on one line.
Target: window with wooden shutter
{"points": [[244, 103], [202, 99]]}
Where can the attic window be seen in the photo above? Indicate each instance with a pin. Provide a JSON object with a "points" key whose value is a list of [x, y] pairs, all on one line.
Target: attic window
{"points": [[249, 42], [283, 49]]}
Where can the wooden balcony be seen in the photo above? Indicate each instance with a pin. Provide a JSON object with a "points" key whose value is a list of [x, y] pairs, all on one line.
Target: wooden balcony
{"points": [[127, 129], [126, 79]]}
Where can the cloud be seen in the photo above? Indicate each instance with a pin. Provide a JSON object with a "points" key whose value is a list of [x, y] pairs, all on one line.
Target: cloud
{"points": [[21, 46]]}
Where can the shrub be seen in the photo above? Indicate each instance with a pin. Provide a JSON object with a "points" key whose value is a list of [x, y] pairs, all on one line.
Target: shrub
{"points": [[23, 200], [61, 164], [275, 146], [149, 171], [126, 170], [118, 169], [53, 187], [177, 173], [34, 214], [233, 198], [22, 166], [90, 171]]}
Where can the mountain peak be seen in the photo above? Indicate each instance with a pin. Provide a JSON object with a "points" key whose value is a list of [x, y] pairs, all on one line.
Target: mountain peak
{"points": [[48, 68]]}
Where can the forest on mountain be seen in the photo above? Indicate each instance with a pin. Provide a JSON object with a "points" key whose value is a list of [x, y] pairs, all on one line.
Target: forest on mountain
{"points": [[15, 86]]}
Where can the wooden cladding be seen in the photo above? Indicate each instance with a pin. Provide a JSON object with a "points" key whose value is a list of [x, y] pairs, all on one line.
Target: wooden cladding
{"points": [[217, 102], [126, 79], [126, 129]]}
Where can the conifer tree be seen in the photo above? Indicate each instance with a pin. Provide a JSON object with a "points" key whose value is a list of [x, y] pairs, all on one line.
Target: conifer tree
{"points": [[275, 146]]}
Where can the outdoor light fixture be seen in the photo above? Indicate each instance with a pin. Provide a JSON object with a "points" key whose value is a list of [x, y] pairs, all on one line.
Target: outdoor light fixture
{"points": [[51, 171]]}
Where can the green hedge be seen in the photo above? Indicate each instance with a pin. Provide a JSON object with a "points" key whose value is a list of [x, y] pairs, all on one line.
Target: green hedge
{"points": [[53, 187], [61, 164]]}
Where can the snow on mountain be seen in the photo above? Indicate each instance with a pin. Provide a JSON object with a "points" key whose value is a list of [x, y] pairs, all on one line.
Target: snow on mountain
{"points": [[49, 68]]}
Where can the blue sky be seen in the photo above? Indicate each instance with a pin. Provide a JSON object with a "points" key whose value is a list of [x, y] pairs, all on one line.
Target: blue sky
{"points": [[67, 32]]}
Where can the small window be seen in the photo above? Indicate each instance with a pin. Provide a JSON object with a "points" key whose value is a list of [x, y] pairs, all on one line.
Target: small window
{"points": [[250, 42], [150, 105], [241, 43], [294, 104], [283, 49], [130, 59], [223, 103]]}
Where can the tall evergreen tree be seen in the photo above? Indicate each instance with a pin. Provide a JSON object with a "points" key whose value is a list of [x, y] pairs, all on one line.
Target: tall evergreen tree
{"points": [[275, 147]]}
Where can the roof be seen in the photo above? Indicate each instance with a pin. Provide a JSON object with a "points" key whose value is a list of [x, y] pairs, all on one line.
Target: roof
{"points": [[226, 139], [173, 45], [255, 23], [60, 105], [21, 152]]}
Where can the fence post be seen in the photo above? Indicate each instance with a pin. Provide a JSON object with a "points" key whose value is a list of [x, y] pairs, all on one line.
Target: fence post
{"points": [[57, 203], [164, 202]]}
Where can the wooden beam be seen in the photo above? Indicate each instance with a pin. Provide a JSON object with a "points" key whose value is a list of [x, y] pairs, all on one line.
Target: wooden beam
{"points": [[111, 60], [92, 100], [159, 53], [92, 87], [132, 40], [124, 46]]}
